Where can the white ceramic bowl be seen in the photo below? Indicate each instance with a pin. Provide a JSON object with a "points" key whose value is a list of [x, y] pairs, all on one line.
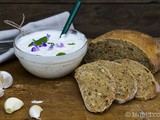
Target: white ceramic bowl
{"points": [[50, 66]]}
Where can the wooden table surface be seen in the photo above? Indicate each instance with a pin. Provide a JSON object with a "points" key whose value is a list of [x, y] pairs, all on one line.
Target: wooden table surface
{"points": [[62, 99]]}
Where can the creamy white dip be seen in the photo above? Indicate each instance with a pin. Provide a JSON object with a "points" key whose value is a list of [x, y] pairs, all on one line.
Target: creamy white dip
{"points": [[68, 43]]}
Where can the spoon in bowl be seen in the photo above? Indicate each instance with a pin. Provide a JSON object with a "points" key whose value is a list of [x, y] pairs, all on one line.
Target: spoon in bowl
{"points": [[71, 17]]}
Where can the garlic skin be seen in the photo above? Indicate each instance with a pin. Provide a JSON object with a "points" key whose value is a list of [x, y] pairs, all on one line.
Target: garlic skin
{"points": [[36, 101], [12, 104], [7, 79], [35, 111]]}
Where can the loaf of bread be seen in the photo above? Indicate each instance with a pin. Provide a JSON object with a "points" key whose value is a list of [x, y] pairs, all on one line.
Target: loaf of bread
{"points": [[147, 86], [97, 86], [125, 81], [125, 44]]}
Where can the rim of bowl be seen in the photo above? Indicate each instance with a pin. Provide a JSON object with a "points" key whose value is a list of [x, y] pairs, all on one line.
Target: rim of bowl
{"points": [[47, 28]]}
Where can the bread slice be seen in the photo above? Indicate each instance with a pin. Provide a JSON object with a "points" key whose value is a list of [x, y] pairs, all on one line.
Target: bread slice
{"points": [[147, 86], [97, 86], [126, 83], [125, 44]]}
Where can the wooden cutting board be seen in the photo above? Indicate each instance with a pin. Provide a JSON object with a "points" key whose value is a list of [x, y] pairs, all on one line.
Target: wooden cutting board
{"points": [[62, 99]]}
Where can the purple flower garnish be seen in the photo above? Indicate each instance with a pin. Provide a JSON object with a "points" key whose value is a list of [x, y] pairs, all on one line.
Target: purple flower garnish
{"points": [[43, 44], [59, 45], [51, 47], [48, 36], [35, 48]]}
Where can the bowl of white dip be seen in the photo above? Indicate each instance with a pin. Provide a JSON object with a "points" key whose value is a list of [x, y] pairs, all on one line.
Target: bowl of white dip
{"points": [[43, 53]]}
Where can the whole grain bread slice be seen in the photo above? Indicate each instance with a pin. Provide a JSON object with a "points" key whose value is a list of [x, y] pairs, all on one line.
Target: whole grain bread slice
{"points": [[97, 86], [147, 86], [125, 81]]}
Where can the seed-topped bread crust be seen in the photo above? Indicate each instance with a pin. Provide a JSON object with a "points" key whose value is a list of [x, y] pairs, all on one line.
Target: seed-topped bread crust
{"points": [[147, 86], [126, 83], [97, 86], [125, 44]]}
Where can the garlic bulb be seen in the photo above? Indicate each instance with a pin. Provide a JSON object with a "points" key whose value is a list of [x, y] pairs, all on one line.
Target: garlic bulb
{"points": [[1, 81], [35, 111], [6, 79], [12, 104], [1, 92]]}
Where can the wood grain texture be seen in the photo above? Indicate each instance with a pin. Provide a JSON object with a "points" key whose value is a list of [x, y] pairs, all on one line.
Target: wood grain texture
{"points": [[83, 1], [62, 99], [92, 19]]}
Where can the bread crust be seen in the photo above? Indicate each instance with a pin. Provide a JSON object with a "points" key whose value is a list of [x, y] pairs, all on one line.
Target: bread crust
{"points": [[143, 41]]}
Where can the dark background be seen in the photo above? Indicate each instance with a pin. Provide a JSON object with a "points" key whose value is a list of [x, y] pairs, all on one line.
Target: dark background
{"points": [[94, 18]]}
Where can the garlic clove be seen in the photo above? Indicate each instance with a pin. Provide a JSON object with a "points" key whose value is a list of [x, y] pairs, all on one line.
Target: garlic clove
{"points": [[1, 92], [35, 111], [8, 80], [12, 104], [1, 81], [157, 86]]}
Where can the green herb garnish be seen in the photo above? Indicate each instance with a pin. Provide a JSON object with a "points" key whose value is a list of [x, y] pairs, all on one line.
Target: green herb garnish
{"points": [[71, 43], [38, 42], [50, 43], [60, 54]]}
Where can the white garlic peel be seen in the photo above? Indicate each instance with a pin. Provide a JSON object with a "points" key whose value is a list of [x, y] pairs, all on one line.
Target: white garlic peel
{"points": [[7, 80], [35, 111], [36, 101], [12, 104]]}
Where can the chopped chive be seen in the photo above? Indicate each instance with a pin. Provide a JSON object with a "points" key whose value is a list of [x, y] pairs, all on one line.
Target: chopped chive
{"points": [[50, 43], [71, 43], [60, 54]]}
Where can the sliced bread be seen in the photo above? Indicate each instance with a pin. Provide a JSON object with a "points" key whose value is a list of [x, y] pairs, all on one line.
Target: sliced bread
{"points": [[125, 44], [97, 86], [147, 86], [125, 82]]}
